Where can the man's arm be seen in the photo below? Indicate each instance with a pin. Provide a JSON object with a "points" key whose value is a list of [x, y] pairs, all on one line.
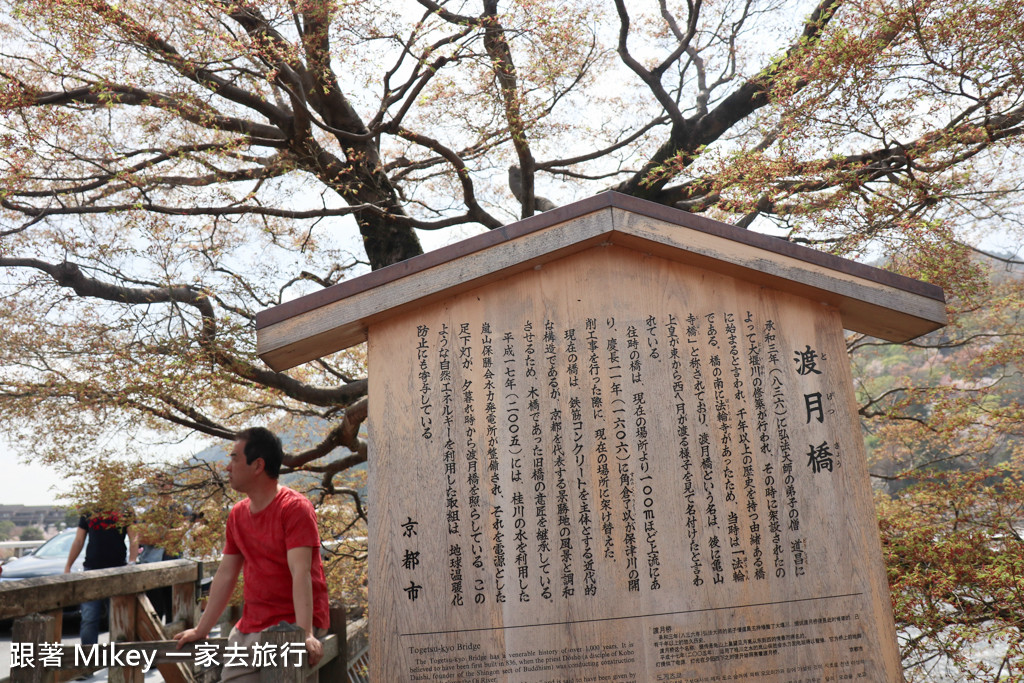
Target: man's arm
{"points": [[76, 548], [133, 544], [220, 593], [300, 562]]}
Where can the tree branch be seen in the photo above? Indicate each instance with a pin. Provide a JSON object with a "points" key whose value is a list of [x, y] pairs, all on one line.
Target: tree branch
{"points": [[497, 47], [71, 276]]}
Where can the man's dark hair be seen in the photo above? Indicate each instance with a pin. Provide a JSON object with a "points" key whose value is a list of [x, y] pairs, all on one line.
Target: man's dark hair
{"points": [[260, 442]]}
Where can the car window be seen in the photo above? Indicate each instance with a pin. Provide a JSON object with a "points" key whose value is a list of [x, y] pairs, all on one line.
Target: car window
{"points": [[58, 546]]}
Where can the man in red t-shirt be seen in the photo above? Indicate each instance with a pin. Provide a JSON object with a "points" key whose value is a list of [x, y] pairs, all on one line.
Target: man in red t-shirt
{"points": [[272, 538]]}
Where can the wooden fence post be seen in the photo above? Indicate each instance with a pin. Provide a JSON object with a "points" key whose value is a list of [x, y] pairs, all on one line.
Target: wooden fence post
{"points": [[123, 629], [34, 629], [336, 669], [284, 673], [58, 623], [184, 605]]}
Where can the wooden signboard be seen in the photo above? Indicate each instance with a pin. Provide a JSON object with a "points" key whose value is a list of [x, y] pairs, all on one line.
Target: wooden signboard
{"points": [[620, 465]]}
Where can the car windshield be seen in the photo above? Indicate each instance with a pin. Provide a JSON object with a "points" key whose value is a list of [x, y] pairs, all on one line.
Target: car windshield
{"points": [[58, 546]]}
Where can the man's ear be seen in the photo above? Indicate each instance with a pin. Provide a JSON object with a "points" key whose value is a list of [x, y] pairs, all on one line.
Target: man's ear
{"points": [[260, 465]]}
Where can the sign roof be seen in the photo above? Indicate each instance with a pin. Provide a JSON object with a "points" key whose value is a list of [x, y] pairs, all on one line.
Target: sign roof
{"points": [[870, 300]]}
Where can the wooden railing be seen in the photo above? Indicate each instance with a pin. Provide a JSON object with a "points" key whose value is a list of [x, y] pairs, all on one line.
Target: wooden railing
{"points": [[36, 606]]}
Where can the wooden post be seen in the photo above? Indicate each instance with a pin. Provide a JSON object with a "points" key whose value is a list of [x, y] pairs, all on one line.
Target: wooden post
{"points": [[335, 669], [184, 605], [58, 623], [284, 672], [123, 629], [34, 629]]}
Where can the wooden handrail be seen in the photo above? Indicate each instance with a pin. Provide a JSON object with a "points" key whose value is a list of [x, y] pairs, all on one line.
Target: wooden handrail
{"points": [[48, 593], [36, 606]]}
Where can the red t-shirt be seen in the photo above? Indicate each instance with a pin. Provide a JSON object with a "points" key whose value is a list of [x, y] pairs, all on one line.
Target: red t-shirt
{"points": [[263, 540]]}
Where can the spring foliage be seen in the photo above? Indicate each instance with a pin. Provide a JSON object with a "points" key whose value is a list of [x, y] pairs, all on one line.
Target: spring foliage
{"points": [[169, 169]]}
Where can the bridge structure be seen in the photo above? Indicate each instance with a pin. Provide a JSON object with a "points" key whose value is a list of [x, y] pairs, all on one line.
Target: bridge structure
{"points": [[140, 641]]}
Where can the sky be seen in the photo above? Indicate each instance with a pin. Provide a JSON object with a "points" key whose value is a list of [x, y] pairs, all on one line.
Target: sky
{"points": [[26, 484]]}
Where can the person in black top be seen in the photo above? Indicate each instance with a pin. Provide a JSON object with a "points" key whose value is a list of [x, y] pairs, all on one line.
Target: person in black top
{"points": [[106, 548]]}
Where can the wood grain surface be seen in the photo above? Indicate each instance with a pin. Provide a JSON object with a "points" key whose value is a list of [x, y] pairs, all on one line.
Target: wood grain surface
{"points": [[621, 467], [869, 300]]}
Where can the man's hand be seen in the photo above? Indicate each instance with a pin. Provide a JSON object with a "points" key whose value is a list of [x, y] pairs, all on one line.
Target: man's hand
{"points": [[314, 650], [188, 635]]}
